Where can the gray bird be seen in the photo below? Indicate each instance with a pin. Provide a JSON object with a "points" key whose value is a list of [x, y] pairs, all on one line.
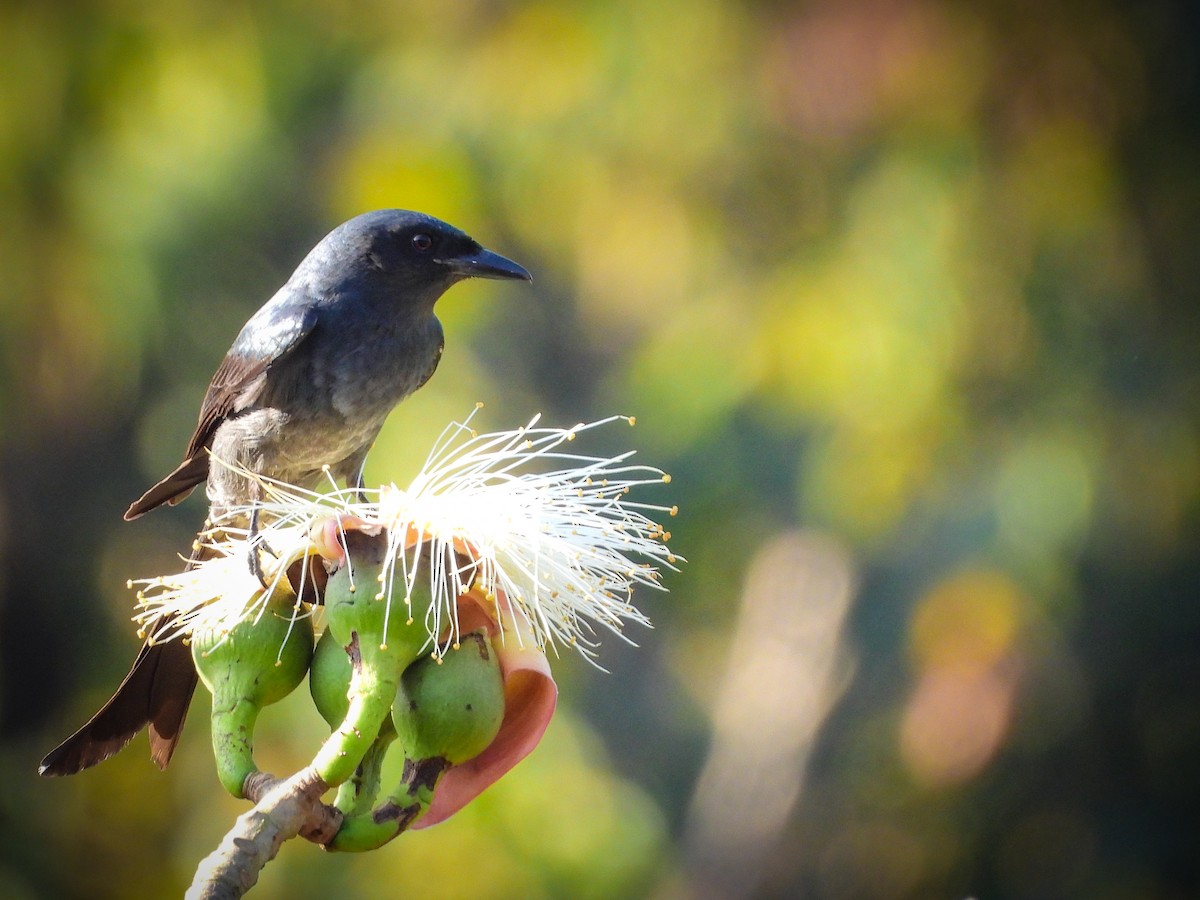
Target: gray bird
{"points": [[306, 385]]}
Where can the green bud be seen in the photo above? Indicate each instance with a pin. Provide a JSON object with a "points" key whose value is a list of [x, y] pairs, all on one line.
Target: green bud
{"points": [[329, 679], [451, 707], [258, 662]]}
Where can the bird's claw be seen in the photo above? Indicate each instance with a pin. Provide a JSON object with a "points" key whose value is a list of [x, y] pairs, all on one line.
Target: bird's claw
{"points": [[257, 546], [254, 559]]}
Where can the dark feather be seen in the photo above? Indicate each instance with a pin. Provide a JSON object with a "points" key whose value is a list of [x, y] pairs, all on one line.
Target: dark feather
{"points": [[240, 376], [172, 489], [156, 692]]}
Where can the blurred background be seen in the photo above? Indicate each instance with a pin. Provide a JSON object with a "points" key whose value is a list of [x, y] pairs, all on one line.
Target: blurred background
{"points": [[903, 295]]}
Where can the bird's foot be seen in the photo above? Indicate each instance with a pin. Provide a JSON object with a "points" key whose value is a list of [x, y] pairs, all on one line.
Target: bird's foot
{"points": [[254, 559], [258, 546]]}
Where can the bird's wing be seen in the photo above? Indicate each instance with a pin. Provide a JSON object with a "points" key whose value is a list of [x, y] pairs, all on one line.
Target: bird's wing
{"points": [[239, 378], [270, 335]]}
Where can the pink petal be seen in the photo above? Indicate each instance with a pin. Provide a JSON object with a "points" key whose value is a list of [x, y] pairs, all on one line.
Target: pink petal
{"points": [[326, 535], [530, 696]]}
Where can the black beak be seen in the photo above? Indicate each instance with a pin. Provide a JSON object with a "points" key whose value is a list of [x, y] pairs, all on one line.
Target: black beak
{"points": [[486, 264]]}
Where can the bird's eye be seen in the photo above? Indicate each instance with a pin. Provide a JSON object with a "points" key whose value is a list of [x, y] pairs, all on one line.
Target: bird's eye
{"points": [[422, 243]]}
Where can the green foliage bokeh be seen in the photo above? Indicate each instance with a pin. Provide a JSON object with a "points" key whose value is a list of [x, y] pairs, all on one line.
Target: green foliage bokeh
{"points": [[911, 282]]}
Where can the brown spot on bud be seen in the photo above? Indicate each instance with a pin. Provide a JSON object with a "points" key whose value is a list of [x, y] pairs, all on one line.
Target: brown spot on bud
{"points": [[424, 773]]}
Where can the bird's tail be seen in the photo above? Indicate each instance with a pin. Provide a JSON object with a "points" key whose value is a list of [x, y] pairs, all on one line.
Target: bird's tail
{"points": [[175, 487], [156, 693]]}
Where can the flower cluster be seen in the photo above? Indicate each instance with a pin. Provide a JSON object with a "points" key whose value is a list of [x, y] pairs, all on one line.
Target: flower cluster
{"points": [[503, 546], [512, 512]]}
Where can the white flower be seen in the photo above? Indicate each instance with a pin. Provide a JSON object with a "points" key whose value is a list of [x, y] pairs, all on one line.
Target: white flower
{"points": [[513, 512]]}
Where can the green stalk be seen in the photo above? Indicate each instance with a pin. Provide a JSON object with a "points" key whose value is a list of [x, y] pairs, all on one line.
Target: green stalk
{"points": [[380, 640], [255, 664], [357, 794], [371, 830], [329, 683]]}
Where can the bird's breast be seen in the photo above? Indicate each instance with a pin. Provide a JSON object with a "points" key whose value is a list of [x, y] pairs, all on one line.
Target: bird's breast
{"points": [[369, 376], [324, 404]]}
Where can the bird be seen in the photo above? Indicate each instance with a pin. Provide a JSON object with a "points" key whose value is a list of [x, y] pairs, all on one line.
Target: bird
{"points": [[302, 392]]}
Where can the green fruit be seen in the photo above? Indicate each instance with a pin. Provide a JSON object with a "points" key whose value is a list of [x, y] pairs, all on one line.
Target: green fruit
{"points": [[256, 663], [451, 707]]}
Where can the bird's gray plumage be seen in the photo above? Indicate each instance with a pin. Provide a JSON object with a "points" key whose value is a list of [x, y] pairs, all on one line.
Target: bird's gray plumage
{"points": [[313, 374]]}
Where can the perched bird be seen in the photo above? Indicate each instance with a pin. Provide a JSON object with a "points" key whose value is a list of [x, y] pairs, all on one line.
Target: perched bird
{"points": [[304, 389]]}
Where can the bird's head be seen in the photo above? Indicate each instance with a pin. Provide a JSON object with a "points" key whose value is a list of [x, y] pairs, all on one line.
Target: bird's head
{"points": [[412, 251]]}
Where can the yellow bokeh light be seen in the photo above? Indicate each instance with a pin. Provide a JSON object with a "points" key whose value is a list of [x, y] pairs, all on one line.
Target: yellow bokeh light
{"points": [[967, 622], [383, 170]]}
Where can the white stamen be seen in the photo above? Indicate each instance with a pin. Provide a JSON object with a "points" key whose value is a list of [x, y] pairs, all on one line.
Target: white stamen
{"points": [[477, 514]]}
